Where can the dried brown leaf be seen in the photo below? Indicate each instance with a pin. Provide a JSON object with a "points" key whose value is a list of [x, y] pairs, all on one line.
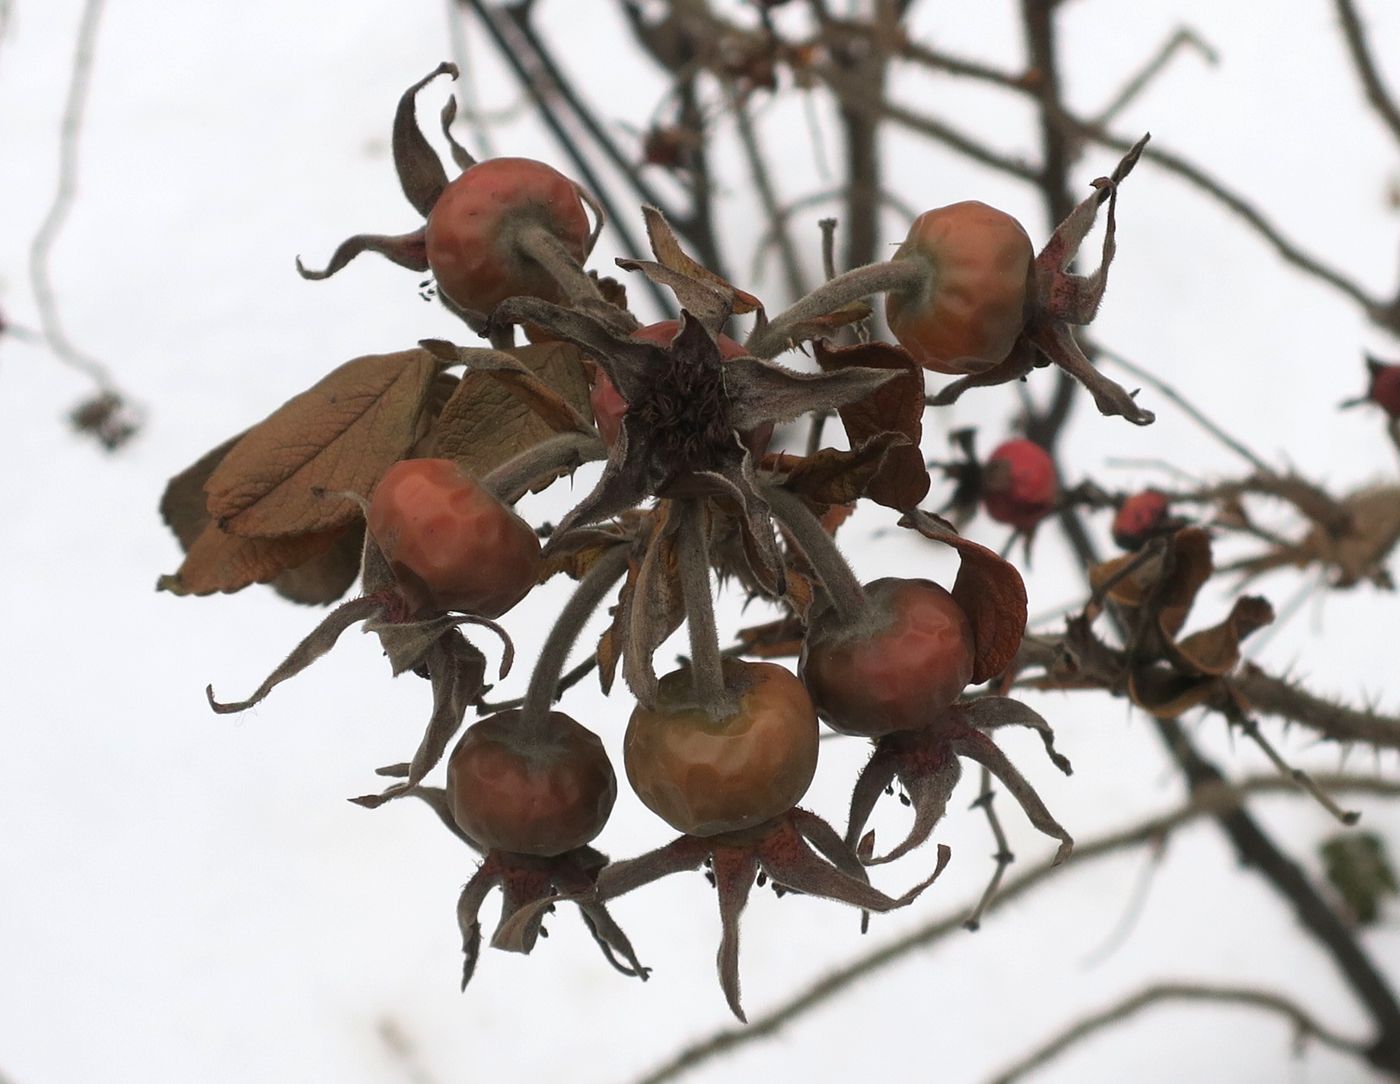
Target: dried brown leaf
{"points": [[327, 577], [835, 476], [990, 591], [1216, 651], [183, 505], [223, 562], [897, 406], [487, 421], [339, 436]]}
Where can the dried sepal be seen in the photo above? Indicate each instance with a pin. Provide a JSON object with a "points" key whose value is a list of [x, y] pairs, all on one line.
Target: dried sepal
{"points": [[408, 250], [763, 391], [407, 643], [783, 849], [457, 672], [925, 762], [990, 591], [314, 646], [991, 712], [422, 178], [655, 607], [977, 746], [531, 887], [420, 170]]}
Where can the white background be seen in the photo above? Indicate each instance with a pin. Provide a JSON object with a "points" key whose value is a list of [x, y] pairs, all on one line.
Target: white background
{"points": [[188, 897]]}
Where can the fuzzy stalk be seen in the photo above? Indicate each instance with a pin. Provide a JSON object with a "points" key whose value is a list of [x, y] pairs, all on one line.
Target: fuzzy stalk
{"points": [[538, 243], [706, 670], [544, 679], [513, 478], [837, 577], [858, 283]]}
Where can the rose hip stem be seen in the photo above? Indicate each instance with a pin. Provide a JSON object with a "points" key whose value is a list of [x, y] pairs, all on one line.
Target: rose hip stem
{"points": [[837, 577], [539, 697], [513, 478], [538, 243], [706, 674], [860, 282]]}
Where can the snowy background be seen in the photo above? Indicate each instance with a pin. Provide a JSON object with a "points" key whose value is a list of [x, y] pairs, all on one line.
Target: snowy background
{"points": [[189, 897]]}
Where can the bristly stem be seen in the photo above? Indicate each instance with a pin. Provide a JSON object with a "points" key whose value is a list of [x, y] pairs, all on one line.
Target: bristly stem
{"points": [[706, 670], [538, 243], [513, 478], [858, 283], [837, 577], [589, 594]]}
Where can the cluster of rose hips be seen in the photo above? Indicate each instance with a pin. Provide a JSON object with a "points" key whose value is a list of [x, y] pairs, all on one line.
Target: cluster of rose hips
{"points": [[722, 749]]}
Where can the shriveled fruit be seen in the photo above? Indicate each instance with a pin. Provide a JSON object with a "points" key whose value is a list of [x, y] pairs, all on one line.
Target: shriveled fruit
{"points": [[609, 406], [543, 797], [474, 231], [451, 543], [972, 307], [898, 667], [1019, 486], [705, 776]]}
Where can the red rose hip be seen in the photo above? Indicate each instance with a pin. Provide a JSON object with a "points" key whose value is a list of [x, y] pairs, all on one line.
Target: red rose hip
{"points": [[451, 543], [546, 797], [897, 667]]}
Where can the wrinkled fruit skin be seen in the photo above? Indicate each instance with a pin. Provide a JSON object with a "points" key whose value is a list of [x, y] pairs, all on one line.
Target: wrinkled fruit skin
{"points": [[451, 543], [609, 406], [1019, 484], [703, 776], [898, 668], [470, 228], [971, 312], [1138, 518], [541, 800]]}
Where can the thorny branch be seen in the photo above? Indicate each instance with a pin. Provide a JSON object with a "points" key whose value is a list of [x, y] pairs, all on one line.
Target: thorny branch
{"points": [[1206, 801]]}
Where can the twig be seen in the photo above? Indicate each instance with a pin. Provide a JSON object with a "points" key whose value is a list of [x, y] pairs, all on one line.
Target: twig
{"points": [[1003, 856], [1184, 36], [1376, 93], [1282, 699], [466, 83], [763, 185], [1304, 781], [1305, 1025], [1206, 801], [854, 96], [41, 248], [1165, 389]]}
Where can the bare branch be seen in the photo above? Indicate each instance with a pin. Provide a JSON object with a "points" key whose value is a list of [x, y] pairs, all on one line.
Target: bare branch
{"points": [[1205, 801], [1183, 38], [1305, 1025], [41, 247], [1376, 93]]}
